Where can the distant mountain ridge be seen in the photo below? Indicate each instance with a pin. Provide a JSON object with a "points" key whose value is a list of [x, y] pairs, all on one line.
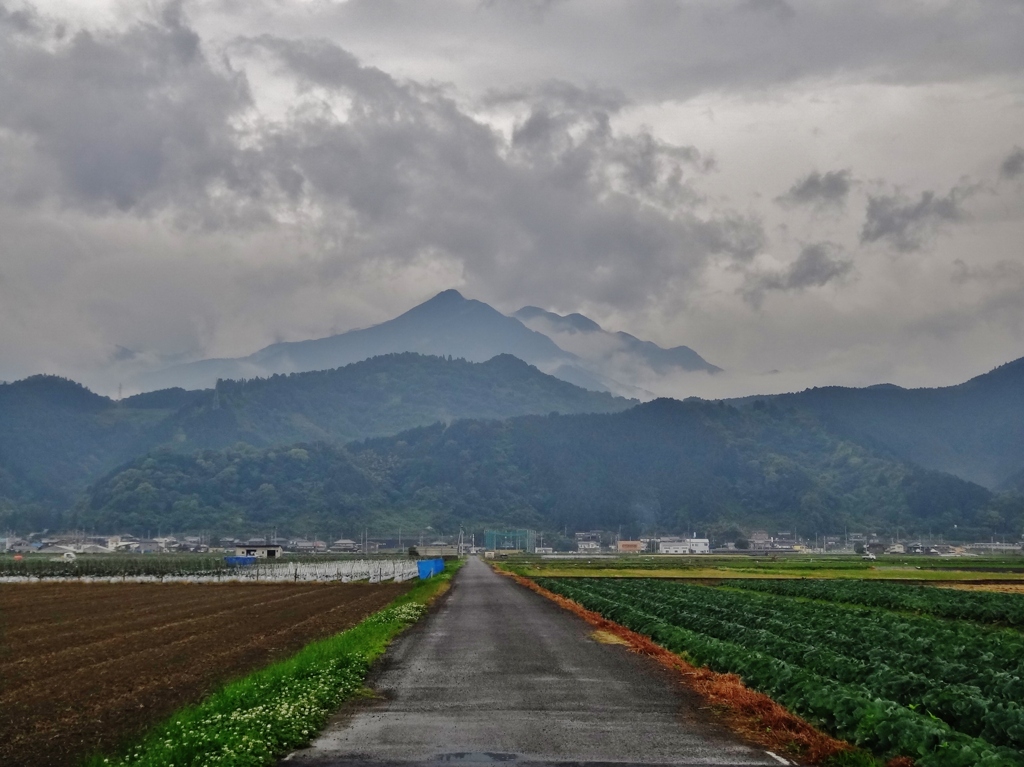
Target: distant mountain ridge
{"points": [[449, 325], [446, 325], [658, 359], [974, 430]]}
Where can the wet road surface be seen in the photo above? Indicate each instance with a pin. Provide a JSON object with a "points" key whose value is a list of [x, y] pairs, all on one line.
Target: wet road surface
{"points": [[500, 675]]}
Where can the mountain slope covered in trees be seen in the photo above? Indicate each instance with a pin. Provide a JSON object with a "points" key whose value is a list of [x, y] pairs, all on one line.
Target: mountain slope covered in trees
{"points": [[376, 397], [974, 430], [56, 436], [665, 465]]}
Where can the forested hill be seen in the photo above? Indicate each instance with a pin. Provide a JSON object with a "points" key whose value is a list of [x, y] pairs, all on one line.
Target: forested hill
{"points": [[664, 465], [56, 436], [974, 430], [380, 396]]}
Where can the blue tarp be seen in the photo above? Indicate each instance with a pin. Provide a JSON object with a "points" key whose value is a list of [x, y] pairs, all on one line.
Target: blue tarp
{"points": [[430, 567], [236, 561]]}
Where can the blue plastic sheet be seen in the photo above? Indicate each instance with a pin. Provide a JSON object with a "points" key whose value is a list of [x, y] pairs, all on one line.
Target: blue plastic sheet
{"points": [[429, 567], [239, 561]]}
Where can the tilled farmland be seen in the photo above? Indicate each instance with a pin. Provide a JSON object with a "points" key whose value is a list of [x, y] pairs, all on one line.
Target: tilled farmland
{"points": [[83, 667]]}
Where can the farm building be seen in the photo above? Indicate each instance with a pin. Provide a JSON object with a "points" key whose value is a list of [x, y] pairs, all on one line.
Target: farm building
{"points": [[437, 550], [630, 547], [759, 539], [687, 546], [262, 551]]}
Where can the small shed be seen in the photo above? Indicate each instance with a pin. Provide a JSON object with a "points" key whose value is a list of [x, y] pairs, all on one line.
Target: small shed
{"points": [[261, 552]]}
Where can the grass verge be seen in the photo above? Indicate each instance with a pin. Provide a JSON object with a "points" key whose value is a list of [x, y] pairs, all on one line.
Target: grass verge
{"points": [[263, 716]]}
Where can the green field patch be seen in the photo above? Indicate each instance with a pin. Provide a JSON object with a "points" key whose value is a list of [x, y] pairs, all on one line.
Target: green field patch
{"points": [[791, 566], [983, 607]]}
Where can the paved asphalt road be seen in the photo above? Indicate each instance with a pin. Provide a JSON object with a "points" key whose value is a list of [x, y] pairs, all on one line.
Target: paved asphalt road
{"points": [[500, 675]]}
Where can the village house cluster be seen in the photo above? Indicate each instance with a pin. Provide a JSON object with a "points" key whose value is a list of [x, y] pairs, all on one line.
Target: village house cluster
{"points": [[79, 543]]}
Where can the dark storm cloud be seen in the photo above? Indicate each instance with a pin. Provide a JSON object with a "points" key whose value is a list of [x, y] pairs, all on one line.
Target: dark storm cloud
{"points": [[663, 49], [1004, 273], [24, 20], [568, 206], [319, 62], [124, 119], [1013, 165], [817, 265], [571, 127], [147, 122], [905, 223], [780, 9], [820, 189]]}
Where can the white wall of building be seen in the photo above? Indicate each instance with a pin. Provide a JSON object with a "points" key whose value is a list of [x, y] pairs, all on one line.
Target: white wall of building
{"points": [[688, 546]]}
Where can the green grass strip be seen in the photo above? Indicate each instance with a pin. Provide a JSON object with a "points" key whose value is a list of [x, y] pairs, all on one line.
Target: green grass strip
{"points": [[263, 716]]}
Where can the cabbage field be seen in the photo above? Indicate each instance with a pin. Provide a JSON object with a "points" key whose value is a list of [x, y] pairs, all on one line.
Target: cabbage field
{"points": [[874, 664], [984, 607]]}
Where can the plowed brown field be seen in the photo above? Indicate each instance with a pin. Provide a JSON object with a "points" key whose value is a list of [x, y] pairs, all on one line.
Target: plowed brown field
{"points": [[83, 667]]}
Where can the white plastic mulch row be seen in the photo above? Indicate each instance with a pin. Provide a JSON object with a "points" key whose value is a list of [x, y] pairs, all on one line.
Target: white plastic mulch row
{"points": [[372, 570]]}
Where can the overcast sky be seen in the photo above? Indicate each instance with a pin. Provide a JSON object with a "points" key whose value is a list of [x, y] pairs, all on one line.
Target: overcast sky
{"points": [[832, 190]]}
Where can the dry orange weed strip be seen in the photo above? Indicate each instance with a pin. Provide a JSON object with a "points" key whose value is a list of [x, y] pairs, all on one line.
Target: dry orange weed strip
{"points": [[753, 714], [1001, 588]]}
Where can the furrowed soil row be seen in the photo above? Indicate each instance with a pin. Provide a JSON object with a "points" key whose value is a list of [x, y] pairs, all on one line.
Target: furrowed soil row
{"points": [[57, 712], [200, 656], [92, 599], [91, 641], [94, 657]]}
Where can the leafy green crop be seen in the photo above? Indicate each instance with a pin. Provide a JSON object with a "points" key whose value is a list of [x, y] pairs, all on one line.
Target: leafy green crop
{"points": [[116, 566], [981, 606], [945, 694]]}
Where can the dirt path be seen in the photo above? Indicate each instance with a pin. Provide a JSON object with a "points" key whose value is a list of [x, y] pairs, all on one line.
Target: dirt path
{"points": [[500, 674]]}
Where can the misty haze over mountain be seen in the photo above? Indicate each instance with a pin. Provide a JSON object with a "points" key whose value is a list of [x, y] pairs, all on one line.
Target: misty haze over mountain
{"points": [[574, 349]]}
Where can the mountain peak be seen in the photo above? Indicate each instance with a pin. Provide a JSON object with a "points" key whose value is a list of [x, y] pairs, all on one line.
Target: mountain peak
{"points": [[572, 323], [574, 333], [445, 296], [448, 324], [56, 390]]}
